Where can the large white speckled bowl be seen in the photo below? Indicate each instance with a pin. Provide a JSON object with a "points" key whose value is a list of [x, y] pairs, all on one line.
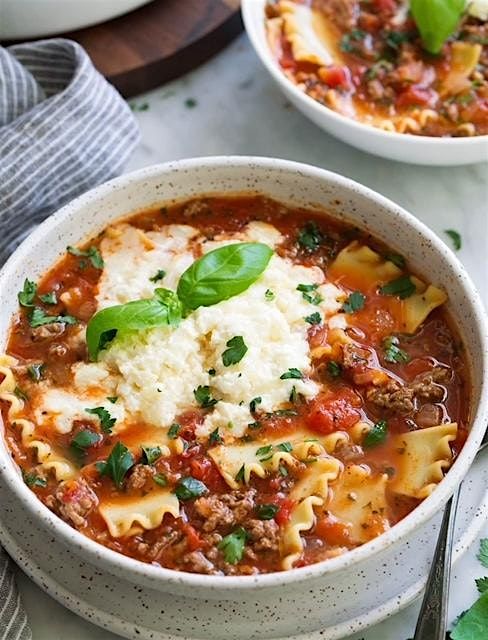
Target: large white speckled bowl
{"points": [[302, 600], [405, 147]]}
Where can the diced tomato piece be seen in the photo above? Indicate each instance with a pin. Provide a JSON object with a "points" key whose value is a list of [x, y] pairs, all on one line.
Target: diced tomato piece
{"points": [[204, 469], [286, 506], [333, 531], [200, 467], [416, 95], [317, 335], [385, 6], [328, 414], [335, 76], [193, 540]]}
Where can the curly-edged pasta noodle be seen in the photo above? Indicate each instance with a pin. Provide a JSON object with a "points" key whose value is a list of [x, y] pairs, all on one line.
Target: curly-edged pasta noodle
{"points": [[159, 438], [417, 307], [426, 116], [359, 501], [299, 31], [315, 481], [361, 261], [466, 129], [47, 456], [425, 455], [332, 440], [407, 124], [385, 125], [122, 515], [359, 430]]}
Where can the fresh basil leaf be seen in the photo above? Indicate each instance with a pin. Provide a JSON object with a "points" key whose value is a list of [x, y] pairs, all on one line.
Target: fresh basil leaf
{"points": [[313, 318], [483, 552], [106, 420], [215, 437], [455, 237], [473, 624], [163, 309], [160, 479], [222, 273], [377, 435], [355, 302], [436, 20], [33, 480], [49, 298], [38, 318], [204, 397], [28, 293], [151, 454], [392, 351], [334, 369], [159, 275], [21, 394], [310, 237], [266, 511], [233, 545], [36, 371], [92, 253], [292, 374], [173, 431], [189, 488], [117, 464], [397, 259], [236, 350], [402, 287]]}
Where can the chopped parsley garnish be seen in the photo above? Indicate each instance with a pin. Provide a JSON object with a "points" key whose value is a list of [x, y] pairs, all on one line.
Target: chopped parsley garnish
{"points": [[397, 259], [106, 420], [293, 394], [84, 439], [215, 437], [254, 402], [38, 318], [92, 253], [28, 293], [473, 623], [313, 318], [159, 275], [377, 435], [483, 552], [334, 369], [269, 295], [307, 291], [402, 287], [236, 350], [160, 479], [355, 302], [112, 399], [211, 372], [455, 237], [282, 412], [292, 374], [283, 471], [117, 464], [151, 454], [33, 480], [254, 425], [394, 39], [240, 474], [49, 298], [310, 237], [266, 511], [173, 431], [482, 584], [349, 41], [265, 451], [284, 446], [36, 371], [203, 397], [20, 394], [189, 488], [233, 545], [392, 351]]}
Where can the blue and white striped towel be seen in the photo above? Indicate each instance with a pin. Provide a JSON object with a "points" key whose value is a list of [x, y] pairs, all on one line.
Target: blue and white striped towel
{"points": [[63, 129]]}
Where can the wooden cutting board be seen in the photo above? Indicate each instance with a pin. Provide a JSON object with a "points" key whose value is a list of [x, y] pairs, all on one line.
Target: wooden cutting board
{"points": [[160, 41]]}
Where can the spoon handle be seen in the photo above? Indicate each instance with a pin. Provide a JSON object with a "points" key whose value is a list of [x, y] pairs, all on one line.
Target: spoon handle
{"points": [[432, 620]]}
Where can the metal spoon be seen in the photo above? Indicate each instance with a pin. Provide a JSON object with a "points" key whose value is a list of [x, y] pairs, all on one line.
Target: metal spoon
{"points": [[432, 620]]}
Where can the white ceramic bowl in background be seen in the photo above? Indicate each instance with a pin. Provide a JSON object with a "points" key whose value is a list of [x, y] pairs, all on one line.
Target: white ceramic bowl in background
{"points": [[35, 18], [309, 598], [405, 147]]}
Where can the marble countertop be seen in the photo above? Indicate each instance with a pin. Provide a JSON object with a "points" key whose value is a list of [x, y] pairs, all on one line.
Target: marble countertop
{"points": [[230, 106]]}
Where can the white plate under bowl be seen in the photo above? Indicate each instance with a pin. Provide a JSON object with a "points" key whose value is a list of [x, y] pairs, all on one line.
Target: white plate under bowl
{"points": [[140, 613], [34, 18]]}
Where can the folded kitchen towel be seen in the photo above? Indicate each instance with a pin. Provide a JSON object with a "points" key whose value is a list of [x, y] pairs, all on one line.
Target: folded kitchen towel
{"points": [[63, 130]]}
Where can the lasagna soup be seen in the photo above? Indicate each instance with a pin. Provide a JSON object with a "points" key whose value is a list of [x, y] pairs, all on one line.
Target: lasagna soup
{"points": [[369, 61], [232, 386]]}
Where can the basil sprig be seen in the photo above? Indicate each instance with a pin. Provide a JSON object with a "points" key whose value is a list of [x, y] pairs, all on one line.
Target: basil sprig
{"points": [[436, 20], [163, 309], [216, 276], [222, 274]]}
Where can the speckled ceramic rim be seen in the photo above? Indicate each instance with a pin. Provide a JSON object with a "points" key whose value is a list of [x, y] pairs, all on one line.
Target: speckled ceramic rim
{"points": [[249, 7], [122, 565]]}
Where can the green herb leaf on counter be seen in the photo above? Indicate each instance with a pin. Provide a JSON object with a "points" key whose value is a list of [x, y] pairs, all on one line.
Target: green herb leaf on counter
{"points": [[28, 293], [39, 317], [455, 237], [483, 552], [117, 464], [377, 435], [92, 253], [163, 309], [189, 488], [204, 397], [310, 237], [354, 302], [402, 287], [482, 584], [472, 624], [233, 545], [236, 350], [49, 298], [392, 352], [106, 420], [222, 273], [151, 454], [436, 20]]}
